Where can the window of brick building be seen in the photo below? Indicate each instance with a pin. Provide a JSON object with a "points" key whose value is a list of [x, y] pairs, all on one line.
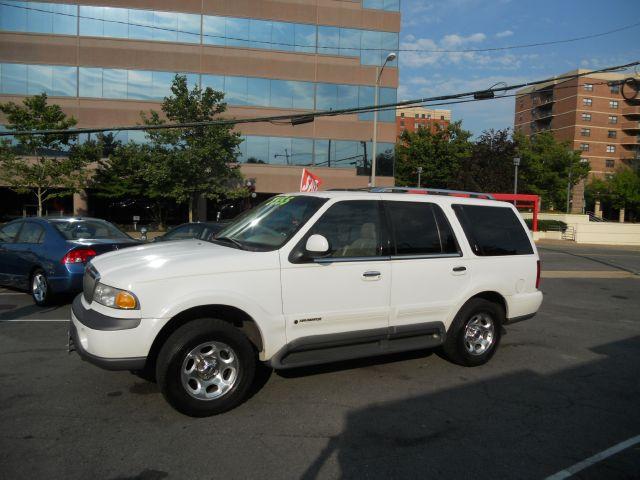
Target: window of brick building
{"points": [[612, 133], [587, 102], [586, 117], [613, 104], [584, 147], [614, 89], [611, 149], [585, 132], [610, 163], [613, 119], [441, 117], [588, 87], [402, 114]]}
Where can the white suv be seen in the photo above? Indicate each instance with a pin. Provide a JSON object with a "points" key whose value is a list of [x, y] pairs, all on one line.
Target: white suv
{"points": [[305, 279]]}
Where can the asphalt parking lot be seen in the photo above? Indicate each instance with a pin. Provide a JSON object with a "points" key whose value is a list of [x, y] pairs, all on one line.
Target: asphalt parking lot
{"points": [[563, 387]]}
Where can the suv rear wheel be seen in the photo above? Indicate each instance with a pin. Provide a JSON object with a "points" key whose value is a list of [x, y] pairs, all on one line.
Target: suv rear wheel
{"points": [[475, 333], [206, 367]]}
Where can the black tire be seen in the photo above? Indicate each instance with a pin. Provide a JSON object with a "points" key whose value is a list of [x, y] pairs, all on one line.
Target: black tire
{"points": [[455, 347], [174, 352], [41, 294]]}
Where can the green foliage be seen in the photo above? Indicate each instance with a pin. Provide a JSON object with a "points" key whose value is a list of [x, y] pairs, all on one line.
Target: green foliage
{"points": [[47, 165], [178, 164], [547, 166], [620, 190], [440, 155], [490, 166]]}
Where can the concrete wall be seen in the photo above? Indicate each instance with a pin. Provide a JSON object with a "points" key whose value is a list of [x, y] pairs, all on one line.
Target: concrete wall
{"points": [[608, 233], [569, 219]]}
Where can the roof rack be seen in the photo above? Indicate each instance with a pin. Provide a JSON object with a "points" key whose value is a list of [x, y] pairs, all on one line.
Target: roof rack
{"points": [[420, 191]]}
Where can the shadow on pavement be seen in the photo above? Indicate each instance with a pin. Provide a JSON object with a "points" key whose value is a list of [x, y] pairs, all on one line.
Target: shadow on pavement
{"points": [[520, 425]]}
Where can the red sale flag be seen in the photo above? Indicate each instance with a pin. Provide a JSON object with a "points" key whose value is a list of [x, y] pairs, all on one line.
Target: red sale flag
{"points": [[309, 182]]}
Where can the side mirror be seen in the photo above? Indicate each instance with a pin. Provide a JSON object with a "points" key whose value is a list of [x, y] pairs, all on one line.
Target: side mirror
{"points": [[317, 245]]}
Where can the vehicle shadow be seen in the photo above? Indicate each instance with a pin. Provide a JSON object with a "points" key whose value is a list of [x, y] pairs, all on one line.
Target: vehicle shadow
{"points": [[25, 311], [520, 425]]}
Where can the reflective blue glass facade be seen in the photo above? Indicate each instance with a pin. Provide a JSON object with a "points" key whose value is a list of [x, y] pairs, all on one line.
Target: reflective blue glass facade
{"points": [[121, 84], [370, 46]]}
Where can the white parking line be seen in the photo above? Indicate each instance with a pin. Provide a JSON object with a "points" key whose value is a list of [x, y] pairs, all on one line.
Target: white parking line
{"points": [[572, 470], [13, 293], [33, 320]]}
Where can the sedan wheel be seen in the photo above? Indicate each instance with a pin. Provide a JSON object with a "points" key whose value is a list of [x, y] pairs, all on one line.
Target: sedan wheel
{"points": [[40, 288]]}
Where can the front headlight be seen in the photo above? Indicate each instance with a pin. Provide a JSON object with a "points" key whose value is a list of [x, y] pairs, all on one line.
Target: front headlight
{"points": [[115, 298]]}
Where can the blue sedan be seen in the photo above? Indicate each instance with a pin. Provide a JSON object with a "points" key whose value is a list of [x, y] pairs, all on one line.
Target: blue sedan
{"points": [[47, 256]]}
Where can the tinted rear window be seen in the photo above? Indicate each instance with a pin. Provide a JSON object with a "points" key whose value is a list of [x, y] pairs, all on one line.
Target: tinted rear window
{"points": [[87, 229], [493, 231], [420, 229]]}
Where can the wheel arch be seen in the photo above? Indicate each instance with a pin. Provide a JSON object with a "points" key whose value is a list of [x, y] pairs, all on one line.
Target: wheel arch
{"points": [[493, 297], [233, 315]]}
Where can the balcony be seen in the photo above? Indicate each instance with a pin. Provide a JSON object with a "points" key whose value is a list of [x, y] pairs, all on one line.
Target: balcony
{"points": [[633, 125], [631, 110]]}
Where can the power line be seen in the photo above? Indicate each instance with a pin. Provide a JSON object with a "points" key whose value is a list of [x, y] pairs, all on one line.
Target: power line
{"points": [[476, 95], [285, 44]]}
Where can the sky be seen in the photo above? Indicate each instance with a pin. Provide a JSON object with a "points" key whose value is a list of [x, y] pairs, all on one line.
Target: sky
{"points": [[464, 24]]}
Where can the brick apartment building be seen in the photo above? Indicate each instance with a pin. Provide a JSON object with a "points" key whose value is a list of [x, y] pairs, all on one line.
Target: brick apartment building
{"points": [[418, 117], [591, 113], [105, 61]]}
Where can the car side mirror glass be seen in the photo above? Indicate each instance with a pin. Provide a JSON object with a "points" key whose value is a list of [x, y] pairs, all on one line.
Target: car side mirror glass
{"points": [[317, 245]]}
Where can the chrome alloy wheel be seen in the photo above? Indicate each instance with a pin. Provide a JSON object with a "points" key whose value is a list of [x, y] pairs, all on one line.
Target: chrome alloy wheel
{"points": [[39, 286], [479, 334], [210, 370]]}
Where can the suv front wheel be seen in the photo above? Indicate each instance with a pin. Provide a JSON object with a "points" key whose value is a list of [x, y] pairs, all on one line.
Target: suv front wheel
{"points": [[475, 333], [206, 367]]}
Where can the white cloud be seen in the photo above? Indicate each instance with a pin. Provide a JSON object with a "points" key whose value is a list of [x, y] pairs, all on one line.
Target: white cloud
{"points": [[506, 33]]}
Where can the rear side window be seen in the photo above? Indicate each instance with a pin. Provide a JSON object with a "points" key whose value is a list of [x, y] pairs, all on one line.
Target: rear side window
{"points": [[493, 231], [31, 233], [420, 228], [8, 232]]}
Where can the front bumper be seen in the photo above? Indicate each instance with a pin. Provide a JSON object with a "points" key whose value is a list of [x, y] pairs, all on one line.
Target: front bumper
{"points": [[75, 345], [109, 342]]}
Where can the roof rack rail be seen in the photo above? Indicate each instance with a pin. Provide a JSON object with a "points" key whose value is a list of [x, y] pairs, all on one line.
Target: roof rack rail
{"points": [[420, 191]]}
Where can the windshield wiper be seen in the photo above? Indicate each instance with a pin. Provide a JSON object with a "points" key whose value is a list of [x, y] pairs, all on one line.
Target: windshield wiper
{"points": [[230, 240]]}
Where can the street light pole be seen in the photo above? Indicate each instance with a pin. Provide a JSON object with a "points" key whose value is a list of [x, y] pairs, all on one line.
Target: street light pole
{"points": [[569, 190], [419, 174], [390, 58], [516, 164]]}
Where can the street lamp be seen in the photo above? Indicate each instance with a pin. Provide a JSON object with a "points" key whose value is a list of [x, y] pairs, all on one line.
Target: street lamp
{"points": [[390, 58], [516, 164], [419, 175]]}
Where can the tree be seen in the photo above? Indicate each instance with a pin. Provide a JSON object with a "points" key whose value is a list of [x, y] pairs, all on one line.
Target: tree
{"points": [[193, 161], [47, 165], [619, 191], [439, 153], [547, 166], [490, 166]]}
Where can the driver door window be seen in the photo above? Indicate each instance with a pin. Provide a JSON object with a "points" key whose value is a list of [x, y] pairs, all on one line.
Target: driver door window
{"points": [[352, 229]]}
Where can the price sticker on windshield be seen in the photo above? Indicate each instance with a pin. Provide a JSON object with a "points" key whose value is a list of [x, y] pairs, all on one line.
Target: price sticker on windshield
{"points": [[280, 200]]}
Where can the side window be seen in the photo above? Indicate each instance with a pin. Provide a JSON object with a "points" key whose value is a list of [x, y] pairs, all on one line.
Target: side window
{"points": [[420, 228], [352, 229], [493, 231], [184, 232], [31, 233], [8, 232]]}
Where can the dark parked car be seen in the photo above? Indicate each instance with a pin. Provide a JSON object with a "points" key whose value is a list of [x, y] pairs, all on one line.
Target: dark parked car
{"points": [[202, 231], [47, 255]]}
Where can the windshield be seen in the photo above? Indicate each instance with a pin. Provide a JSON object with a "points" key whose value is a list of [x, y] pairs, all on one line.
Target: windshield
{"points": [[88, 229], [270, 224]]}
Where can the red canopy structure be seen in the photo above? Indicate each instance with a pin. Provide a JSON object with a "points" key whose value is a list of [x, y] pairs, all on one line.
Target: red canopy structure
{"points": [[522, 200]]}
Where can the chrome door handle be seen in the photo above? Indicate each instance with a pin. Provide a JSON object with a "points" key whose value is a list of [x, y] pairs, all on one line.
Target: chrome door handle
{"points": [[370, 274]]}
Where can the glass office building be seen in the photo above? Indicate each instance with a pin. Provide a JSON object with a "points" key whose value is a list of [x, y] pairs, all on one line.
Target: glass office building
{"points": [[104, 63]]}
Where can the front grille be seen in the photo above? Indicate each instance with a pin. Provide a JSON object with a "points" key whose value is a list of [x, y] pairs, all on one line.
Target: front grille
{"points": [[89, 282]]}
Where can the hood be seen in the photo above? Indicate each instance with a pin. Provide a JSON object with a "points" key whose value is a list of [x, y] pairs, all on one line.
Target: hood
{"points": [[183, 258]]}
